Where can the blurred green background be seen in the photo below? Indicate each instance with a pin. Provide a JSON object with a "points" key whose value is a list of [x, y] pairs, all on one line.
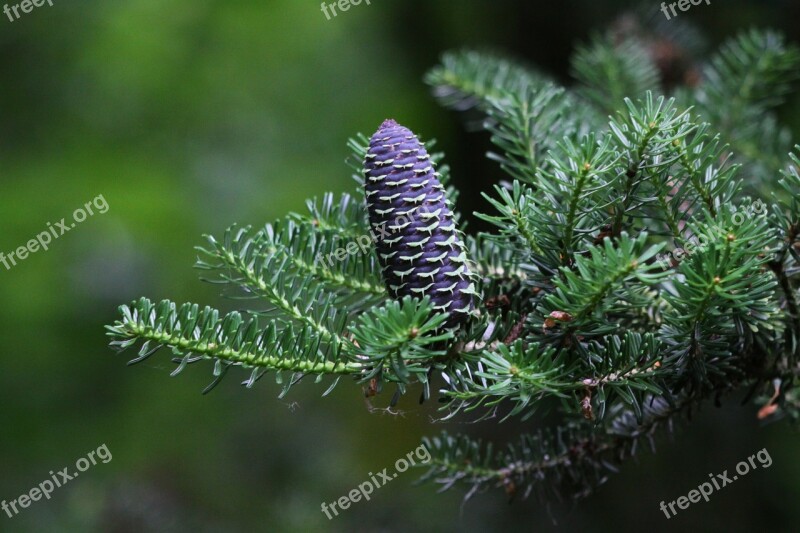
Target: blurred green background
{"points": [[188, 116]]}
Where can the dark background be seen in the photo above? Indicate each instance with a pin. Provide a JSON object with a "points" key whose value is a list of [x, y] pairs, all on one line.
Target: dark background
{"points": [[191, 115]]}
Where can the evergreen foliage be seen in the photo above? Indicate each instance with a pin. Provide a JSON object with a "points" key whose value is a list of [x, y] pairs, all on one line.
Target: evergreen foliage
{"points": [[631, 277]]}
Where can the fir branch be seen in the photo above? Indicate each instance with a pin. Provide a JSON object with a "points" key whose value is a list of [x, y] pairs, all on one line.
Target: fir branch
{"points": [[786, 218], [748, 77], [195, 334], [492, 262], [347, 218], [575, 316], [470, 79], [579, 175], [401, 340], [242, 261], [513, 218], [570, 461], [526, 126], [575, 309], [700, 158], [723, 298], [310, 252], [519, 374], [752, 71], [611, 72], [644, 136]]}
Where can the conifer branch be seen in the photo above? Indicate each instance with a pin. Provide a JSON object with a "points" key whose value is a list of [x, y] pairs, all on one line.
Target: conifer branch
{"points": [[194, 334], [468, 79], [611, 72], [564, 307]]}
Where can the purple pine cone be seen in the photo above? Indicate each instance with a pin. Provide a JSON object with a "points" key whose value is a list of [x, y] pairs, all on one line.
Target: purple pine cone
{"points": [[419, 249]]}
